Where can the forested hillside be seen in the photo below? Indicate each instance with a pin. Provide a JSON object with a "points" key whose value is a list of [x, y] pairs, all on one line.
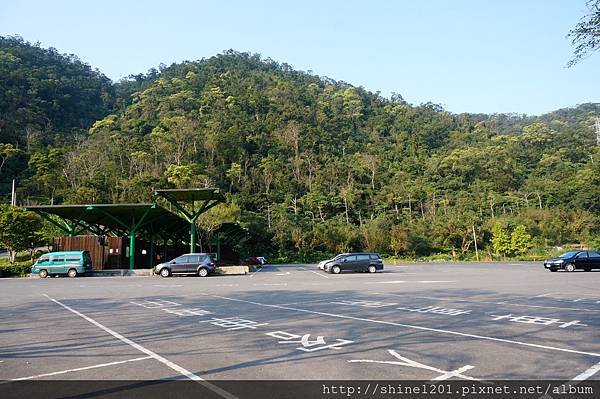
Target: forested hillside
{"points": [[312, 165], [46, 101]]}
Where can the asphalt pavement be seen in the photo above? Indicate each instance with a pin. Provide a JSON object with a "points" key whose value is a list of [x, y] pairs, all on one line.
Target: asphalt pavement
{"points": [[458, 321]]}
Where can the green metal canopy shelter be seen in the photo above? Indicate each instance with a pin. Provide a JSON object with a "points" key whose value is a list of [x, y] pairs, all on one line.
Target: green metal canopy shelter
{"points": [[141, 220], [186, 201]]}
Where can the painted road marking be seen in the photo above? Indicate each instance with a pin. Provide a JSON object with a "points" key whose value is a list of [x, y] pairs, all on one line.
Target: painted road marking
{"points": [[283, 274], [411, 363], [542, 295], [492, 303], [404, 281], [588, 373], [188, 374], [258, 271], [80, 369], [319, 274], [272, 284], [167, 285], [421, 328]]}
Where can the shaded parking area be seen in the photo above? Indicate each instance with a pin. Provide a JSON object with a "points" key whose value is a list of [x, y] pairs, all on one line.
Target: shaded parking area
{"points": [[470, 322]]}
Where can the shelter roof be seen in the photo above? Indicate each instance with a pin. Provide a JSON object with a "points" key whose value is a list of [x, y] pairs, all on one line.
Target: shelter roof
{"points": [[146, 219], [191, 194]]}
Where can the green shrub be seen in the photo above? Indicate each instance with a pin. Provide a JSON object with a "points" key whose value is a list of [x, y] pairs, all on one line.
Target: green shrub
{"points": [[17, 269]]}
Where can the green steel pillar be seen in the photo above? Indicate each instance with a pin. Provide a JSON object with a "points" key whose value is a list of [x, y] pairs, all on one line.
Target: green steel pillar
{"points": [[164, 258], [192, 237], [218, 247], [131, 249], [152, 252]]}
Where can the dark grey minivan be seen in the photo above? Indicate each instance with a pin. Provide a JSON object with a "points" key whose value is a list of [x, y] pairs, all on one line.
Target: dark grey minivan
{"points": [[200, 264], [356, 262]]}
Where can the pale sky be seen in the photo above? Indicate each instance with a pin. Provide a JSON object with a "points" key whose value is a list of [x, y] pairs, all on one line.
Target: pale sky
{"points": [[469, 56]]}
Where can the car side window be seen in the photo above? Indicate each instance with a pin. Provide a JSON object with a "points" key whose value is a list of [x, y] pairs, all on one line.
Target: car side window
{"points": [[362, 257], [73, 259], [193, 259], [582, 255], [43, 259], [351, 258], [58, 259], [182, 259], [374, 257], [593, 254]]}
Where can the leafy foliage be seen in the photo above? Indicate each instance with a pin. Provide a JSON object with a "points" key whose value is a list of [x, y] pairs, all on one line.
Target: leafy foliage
{"points": [[19, 230], [317, 166], [586, 35]]}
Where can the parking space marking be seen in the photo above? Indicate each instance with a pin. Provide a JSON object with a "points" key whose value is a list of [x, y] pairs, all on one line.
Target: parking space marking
{"points": [[588, 373], [404, 281], [421, 328], [458, 373], [541, 296], [272, 284], [258, 271], [319, 274], [80, 369], [492, 303], [186, 373], [167, 286]]}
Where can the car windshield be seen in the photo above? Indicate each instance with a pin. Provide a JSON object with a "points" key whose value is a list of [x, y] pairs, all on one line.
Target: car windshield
{"points": [[569, 254]]}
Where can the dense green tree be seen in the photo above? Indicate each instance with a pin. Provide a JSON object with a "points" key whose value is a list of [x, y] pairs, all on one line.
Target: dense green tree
{"points": [[586, 35], [314, 166], [19, 230]]}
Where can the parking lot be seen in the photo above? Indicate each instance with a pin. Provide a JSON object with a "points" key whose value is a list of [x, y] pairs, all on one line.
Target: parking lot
{"points": [[294, 322]]}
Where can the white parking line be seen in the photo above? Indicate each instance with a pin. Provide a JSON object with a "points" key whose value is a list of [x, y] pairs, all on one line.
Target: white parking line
{"points": [[494, 303], [421, 328], [404, 281], [167, 286], [588, 373], [272, 284], [541, 296], [319, 274], [80, 369], [151, 354], [258, 271]]}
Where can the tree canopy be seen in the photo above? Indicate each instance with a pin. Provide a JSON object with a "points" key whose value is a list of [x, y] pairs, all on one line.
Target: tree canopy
{"points": [[586, 34], [311, 165]]}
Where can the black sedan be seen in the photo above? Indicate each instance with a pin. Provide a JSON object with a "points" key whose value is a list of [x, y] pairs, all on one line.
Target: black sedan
{"points": [[570, 261]]}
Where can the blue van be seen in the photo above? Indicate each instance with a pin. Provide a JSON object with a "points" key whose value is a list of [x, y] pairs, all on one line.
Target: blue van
{"points": [[71, 263]]}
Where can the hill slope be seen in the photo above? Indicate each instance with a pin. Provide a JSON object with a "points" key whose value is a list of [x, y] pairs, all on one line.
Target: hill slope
{"points": [[316, 165]]}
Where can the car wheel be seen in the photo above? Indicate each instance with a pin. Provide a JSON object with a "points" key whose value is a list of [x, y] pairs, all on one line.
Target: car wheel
{"points": [[569, 267], [164, 272], [43, 273], [372, 269], [72, 273], [336, 270], [202, 272]]}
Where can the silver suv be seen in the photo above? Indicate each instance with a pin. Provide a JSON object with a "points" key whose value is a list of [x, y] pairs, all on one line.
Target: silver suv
{"points": [[200, 264]]}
